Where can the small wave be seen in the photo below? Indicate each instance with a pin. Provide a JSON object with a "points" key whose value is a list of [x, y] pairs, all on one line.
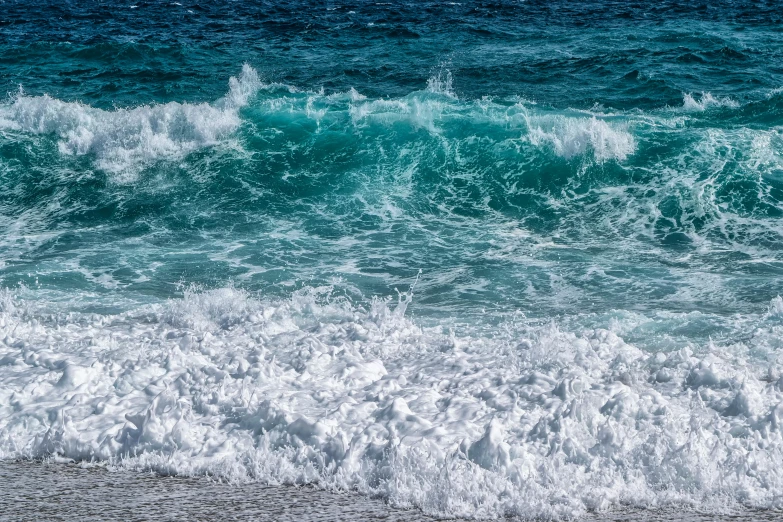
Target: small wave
{"points": [[571, 137], [125, 138], [442, 83], [707, 101], [568, 136]]}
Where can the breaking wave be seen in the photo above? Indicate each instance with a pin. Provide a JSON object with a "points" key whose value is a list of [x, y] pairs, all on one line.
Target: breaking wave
{"points": [[706, 101], [125, 138], [535, 420], [571, 137]]}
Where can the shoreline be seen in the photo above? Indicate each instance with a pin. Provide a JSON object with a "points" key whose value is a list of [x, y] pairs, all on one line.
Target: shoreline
{"points": [[46, 490]]}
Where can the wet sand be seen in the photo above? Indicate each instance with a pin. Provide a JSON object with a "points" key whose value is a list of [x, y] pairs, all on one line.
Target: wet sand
{"points": [[55, 491]]}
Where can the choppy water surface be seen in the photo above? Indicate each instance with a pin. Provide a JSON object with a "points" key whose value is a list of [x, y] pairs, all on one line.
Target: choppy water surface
{"points": [[480, 258]]}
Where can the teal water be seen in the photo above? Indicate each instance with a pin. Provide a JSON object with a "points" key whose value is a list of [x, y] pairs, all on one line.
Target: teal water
{"points": [[547, 159], [519, 179]]}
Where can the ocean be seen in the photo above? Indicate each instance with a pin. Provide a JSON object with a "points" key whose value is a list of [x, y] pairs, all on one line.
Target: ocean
{"points": [[481, 259]]}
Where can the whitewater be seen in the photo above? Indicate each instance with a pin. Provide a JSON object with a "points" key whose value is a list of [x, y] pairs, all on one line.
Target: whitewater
{"points": [[531, 420], [543, 418], [480, 260]]}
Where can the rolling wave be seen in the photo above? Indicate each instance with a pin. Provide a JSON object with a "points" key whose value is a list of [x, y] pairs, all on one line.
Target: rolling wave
{"points": [[126, 138]]}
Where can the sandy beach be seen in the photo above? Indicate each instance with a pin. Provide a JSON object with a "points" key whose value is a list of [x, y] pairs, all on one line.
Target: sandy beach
{"points": [[62, 491]]}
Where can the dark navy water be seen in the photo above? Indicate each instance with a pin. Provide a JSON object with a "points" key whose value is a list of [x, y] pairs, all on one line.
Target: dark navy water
{"points": [[522, 180]]}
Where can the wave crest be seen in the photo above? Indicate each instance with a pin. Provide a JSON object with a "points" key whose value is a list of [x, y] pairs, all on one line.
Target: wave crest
{"points": [[707, 101], [125, 138], [571, 137]]}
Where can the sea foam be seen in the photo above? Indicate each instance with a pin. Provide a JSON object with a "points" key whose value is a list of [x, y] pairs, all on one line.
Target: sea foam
{"points": [[532, 420], [574, 136], [707, 101], [126, 138]]}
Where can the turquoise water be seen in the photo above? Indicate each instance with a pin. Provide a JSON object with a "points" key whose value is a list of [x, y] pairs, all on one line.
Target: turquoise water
{"points": [[514, 178], [549, 159]]}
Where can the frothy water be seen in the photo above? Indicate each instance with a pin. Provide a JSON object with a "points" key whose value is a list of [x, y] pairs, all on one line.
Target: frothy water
{"points": [[459, 266], [532, 420], [126, 138], [570, 137]]}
